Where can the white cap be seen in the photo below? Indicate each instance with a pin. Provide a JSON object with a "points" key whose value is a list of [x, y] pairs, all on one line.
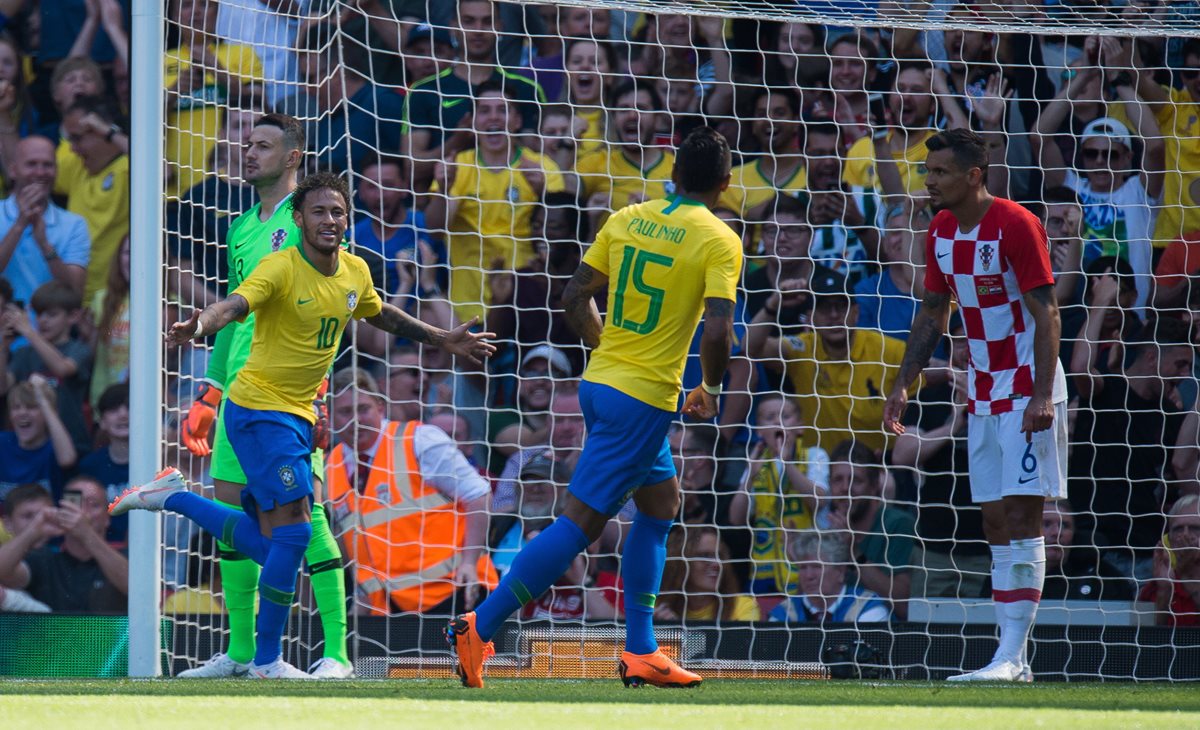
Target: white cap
{"points": [[1108, 128], [554, 356]]}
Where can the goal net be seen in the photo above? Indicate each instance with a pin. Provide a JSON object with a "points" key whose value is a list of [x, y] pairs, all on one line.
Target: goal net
{"points": [[487, 143]]}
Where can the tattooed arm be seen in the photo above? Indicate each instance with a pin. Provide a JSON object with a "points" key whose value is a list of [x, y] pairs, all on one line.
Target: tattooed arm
{"points": [[927, 330], [579, 302], [459, 341], [209, 320], [716, 341]]}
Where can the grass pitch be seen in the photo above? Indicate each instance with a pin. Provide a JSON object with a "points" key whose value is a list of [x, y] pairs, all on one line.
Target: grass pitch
{"points": [[559, 705]]}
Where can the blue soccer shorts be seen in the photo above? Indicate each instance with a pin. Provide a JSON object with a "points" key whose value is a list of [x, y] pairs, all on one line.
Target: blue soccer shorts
{"points": [[626, 448], [275, 451]]}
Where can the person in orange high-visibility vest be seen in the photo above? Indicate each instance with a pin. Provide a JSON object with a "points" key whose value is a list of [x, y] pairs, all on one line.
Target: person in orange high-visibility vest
{"points": [[411, 512]]}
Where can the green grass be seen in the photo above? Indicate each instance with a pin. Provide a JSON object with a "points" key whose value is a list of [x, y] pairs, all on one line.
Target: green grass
{"points": [[559, 705]]}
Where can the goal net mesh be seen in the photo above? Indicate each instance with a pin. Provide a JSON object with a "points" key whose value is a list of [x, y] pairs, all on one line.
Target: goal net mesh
{"points": [[487, 144]]}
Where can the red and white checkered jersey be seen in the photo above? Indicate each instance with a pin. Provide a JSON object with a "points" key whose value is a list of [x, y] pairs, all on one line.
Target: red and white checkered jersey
{"points": [[988, 269]]}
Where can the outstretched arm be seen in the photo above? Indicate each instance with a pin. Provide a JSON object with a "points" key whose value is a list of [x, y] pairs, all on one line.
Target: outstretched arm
{"points": [[458, 341], [579, 301], [211, 319]]}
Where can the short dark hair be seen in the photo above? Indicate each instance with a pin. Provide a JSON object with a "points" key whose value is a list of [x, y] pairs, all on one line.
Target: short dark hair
{"points": [[868, 48], [1190, 48], [856, 453], [292, 128], [23, 493], [382, 160], [633, 87], [821, 128], [113, 397], [968, 148], [702, 161], [791, 95], [788, 204], [568, 202], [55, 294], [1061, 195], [1160, 333], [912, 64], [102, 107], [318, 181]]}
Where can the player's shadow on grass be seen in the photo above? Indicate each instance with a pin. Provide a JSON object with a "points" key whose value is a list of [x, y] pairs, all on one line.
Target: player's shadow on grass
{"points": [[1181, 697]]}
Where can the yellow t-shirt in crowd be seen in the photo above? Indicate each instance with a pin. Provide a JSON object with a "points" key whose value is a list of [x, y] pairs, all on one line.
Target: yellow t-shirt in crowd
{"points": [[749, 189], [594, 116], [843, 399], [779, 512], [859, 168], [194, 122], [745, 608], [103, 201], [300, 315], [609, 170], [495, 205], [1179, 121], [663, 258]]}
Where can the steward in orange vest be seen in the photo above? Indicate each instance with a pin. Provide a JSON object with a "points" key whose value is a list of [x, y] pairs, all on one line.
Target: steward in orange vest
{"points": [[404, 535]]}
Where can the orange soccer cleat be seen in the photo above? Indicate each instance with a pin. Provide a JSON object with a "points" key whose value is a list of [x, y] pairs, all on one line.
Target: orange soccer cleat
{"points": [[656, 669], [469, 649]]}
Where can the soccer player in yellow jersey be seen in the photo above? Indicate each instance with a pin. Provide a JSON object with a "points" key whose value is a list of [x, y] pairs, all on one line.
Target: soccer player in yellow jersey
{"points": [[663, 263], [630, 169], [303, 298]]}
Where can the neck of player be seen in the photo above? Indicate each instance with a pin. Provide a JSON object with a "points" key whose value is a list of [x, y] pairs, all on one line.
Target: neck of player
{"points": [[272, 193], [709, 199], [972, 209], [325, 261]]}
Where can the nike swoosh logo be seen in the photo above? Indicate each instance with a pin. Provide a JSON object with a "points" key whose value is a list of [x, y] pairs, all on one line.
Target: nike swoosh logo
{"points": [[1026, 481], [239, 672], [661, 670], [303, 301], [943, 255], [452, 103]]}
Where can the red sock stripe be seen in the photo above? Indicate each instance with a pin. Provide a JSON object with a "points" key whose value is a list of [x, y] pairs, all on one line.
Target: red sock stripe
{"points": [[1019, 594]]}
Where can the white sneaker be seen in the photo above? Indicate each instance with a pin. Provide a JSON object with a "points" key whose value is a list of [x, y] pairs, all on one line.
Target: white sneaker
{"points": [[326, 668], [278, 669], [1000, 670], [220, 665], [20, 602], [1026, 674], [150, 496]]}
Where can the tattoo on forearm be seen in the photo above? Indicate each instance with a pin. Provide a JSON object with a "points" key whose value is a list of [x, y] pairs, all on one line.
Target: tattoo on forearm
{"points": [[577, 305], [239, 306], [394, 320], [714, 307], [923, 339]]}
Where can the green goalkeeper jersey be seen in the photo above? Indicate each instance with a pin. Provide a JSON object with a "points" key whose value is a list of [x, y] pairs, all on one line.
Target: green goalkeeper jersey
{"points": [[248, 241]]}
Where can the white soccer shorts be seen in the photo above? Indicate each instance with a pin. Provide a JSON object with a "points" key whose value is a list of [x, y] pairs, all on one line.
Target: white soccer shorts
{"points": [[1002, 464]]}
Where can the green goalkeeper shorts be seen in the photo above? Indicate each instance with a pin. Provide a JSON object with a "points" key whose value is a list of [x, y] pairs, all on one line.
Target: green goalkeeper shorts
{"points": [[225, 464]]}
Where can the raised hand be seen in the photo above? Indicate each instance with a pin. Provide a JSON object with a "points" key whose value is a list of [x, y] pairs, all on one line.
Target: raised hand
{"points": [[184, 331], [990, 107]]}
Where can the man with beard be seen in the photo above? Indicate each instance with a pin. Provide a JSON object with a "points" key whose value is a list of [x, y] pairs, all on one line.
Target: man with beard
{"points": [[440, 503], [390, 230], [631, 169], [845, 218], [779, 168], [994, 257]]}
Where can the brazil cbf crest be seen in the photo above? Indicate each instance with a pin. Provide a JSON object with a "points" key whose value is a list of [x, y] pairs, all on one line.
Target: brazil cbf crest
{"points": [[277, 239], [287, 476], [352, 300]]}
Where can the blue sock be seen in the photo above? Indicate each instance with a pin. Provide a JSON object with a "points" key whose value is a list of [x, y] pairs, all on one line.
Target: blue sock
{"points": [[642, 563], [535, 569], [277, 588], [230, 526]]}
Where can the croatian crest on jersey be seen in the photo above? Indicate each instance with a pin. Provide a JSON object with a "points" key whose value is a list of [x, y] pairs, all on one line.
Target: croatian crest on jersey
{"points": [[277, 239], [985, 255], [287, 476], [352, 300]]}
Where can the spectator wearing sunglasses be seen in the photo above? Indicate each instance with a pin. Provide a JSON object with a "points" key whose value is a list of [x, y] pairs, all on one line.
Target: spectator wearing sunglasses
{"points": [[1118, 194]]}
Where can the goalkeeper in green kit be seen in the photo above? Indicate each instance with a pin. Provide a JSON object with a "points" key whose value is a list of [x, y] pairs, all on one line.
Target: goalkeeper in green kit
{"points": [[272, 158]]}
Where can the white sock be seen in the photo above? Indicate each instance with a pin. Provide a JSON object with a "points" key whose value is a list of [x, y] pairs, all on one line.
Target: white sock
{"points": [[1001, 565], [1020, 598]]}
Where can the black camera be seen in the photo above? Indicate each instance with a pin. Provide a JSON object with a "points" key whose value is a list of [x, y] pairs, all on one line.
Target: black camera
{"points": [[853, 660]]}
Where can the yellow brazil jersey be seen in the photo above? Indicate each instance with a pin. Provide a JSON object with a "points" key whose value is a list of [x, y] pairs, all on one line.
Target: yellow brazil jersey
{"points": [[491, 223], [593, 136], [300, 315], [103, 201], [194, 120], [749, 188], [609, 170], [1179, 121], [859, 168], [843, 399], [745, 608], [663, 258], [779, 512]]}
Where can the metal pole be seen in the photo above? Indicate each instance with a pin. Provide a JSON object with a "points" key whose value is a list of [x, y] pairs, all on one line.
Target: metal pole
{"points": [[145, 329]]}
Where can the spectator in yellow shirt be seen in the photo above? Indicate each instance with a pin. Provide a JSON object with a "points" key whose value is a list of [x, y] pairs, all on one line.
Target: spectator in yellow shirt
{"points": [[490, 194], [203, 76], [699, 583], [779, 168]]}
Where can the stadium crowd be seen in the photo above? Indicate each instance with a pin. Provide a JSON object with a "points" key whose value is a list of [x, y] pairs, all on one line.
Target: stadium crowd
{"points": [[486, 143]]}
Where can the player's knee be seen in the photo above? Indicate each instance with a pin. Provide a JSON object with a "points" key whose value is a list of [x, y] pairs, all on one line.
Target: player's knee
{"points": [[587, 519]]}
